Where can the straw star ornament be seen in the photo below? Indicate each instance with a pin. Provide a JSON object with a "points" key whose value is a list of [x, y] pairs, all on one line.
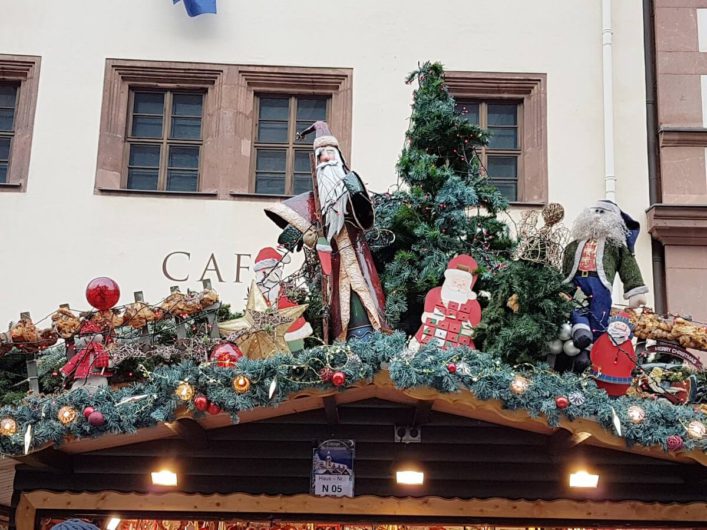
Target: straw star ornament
{"points": [[261, 331]]}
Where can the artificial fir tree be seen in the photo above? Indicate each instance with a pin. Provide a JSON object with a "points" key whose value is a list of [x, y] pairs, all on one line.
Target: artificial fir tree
{"points": [[529, 298], [445, 206]]}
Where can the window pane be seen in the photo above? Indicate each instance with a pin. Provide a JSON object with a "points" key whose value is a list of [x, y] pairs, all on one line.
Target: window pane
{"points": [[311, 110], [270, 160], [8, 96], [184, 157], [142, 179], [302, 164], [186, 128], [147, 127], [3, 172], [275, 109], [502, 167], [148, 103], [145, 156], [272, 132], [469, 110], [273, 183], [7, 117], [182, 180], [503, 138], [503, 114], [187, 105], [4, 148], [508, 188], [302, 183]]}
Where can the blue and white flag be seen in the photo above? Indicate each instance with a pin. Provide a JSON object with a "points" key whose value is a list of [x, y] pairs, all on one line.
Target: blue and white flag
{"points": [[198, 7]]}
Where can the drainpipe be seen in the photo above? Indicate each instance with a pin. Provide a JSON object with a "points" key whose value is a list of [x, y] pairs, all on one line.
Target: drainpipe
{"points": [[608, 84], [654, 177]]}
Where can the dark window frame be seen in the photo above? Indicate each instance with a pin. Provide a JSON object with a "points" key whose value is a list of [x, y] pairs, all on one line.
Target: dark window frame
{"points": [[166, 141]]}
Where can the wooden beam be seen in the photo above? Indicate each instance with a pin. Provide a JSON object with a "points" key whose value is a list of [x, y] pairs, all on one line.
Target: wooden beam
{"points": [[48, 458], [332, 411], [582, 510], [563, 440], [422, 413], [190, 431]]}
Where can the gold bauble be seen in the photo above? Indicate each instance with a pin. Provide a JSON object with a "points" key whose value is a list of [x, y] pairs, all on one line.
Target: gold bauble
{"points": [[519, 385], [696, 430], [241, 384], [8, 426], [66, 414], [184, 391], [636, 414]]}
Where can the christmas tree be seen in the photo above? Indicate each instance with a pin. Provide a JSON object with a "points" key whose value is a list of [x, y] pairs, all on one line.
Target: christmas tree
{"points": [[445, 205], [529, 299]]}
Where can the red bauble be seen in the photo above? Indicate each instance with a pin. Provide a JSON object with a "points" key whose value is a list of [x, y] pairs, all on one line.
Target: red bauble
{"points": [[213, 409], [96, 418], [675, 442], [325, 374], [562, 402], [201, 403], [87, 412], [102, 293], [226, 354], [452, 368], [338, 378]]}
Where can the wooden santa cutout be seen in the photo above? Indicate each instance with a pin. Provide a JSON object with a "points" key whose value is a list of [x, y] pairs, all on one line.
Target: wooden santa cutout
{"points": [[613, 356], [451, 310]]}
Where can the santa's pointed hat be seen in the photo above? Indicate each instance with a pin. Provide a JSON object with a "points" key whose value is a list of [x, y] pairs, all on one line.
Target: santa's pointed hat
{"points": [[268, 258], [322, 138]]}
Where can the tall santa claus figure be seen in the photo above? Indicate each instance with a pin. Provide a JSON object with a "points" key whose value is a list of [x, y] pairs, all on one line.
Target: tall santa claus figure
{"points": [[269, 267], [451, 311]]}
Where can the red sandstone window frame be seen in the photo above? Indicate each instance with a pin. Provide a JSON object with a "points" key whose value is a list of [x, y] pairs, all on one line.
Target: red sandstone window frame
{"points": [[23, 71], [530, 91], [228, 117]]}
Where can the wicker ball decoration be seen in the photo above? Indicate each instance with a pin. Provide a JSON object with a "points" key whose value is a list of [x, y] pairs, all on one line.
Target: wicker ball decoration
{"points": [[553, 213], [67, 415]]}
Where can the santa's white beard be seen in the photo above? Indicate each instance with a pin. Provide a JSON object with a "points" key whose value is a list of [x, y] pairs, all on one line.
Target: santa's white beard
{"points": [[599, 226], [269, 286], [333, 196]]}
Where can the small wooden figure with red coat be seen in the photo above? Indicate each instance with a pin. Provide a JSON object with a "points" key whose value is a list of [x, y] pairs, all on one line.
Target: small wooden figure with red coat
{"points": [[613, 356], [90, 366], [452, 310]]}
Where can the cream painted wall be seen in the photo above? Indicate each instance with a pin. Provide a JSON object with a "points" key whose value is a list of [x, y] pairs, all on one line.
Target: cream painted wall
{"points": [[58, 235]]}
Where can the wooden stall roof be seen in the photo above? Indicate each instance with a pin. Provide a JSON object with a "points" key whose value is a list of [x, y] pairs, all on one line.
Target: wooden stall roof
{"points": [[469, 450]]}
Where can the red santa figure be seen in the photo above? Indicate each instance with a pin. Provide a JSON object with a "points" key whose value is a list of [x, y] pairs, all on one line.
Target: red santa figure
{"points": [[269, 267], [451, 311], [613, 356], [90, 366]]}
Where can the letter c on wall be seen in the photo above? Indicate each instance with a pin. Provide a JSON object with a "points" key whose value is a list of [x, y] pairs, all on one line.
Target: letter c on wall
{"points": [[164, 266]]}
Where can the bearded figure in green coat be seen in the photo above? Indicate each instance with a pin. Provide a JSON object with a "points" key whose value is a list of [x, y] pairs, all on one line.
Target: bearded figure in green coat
{"points": [[603, 240]]}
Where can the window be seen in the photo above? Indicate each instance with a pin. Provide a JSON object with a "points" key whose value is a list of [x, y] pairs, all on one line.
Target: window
{"points": [[8, 106], [501, 156], [513, 109], [214, 130], [281, 165], [19, 81], [164, 140]]}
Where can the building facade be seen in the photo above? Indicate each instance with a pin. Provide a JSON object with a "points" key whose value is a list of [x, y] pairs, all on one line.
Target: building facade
{"points": [[141, 144]]}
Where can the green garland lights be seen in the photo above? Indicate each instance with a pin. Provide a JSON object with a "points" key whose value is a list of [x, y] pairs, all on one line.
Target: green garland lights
{"points": [[272, 380]]}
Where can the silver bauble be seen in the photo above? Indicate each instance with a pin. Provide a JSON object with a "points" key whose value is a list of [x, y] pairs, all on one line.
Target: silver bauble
{"points": [[555, 346], [565, 331], [570, 349]]}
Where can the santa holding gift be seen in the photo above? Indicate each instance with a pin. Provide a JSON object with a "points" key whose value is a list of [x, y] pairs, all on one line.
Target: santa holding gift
{"points": [[269, 267], [452, 310], [613, 357]]}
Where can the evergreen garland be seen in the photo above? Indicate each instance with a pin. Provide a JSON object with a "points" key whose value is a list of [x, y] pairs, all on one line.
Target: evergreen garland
{"points": [[153, 401]]}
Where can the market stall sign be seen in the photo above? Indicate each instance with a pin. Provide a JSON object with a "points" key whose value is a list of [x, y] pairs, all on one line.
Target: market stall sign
{"points": [[332, 469]]}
